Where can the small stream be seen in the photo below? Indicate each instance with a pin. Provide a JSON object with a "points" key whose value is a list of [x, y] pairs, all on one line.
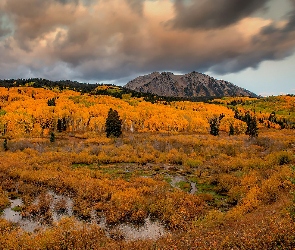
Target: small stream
{"points": [[193, 188], [178, 178]]}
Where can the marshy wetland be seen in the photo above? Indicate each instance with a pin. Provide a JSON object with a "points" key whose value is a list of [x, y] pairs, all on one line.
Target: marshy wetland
{"points": [[181, 190], [166, 183]]}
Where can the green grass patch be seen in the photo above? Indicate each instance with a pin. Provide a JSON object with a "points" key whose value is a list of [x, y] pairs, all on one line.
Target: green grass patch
{"points": [[184, 185], [217, 200], [193, 179], [168, 179], [17, 209]]}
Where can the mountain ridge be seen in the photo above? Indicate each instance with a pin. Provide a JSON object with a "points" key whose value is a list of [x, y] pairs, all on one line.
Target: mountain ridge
{"points": [[189, 85]]}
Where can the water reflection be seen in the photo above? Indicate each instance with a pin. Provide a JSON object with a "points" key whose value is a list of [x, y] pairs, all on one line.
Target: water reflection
{"points": [[14, 216], [61, 206], [151, 230]]}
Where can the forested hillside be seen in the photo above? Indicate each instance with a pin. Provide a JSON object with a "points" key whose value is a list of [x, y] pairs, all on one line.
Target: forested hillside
{"points": [[274, 111], [29, 111]]}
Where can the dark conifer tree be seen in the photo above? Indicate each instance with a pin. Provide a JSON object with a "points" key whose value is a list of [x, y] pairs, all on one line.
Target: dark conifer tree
{"points": [[5, 146], [113, 124], [231, 129], [214, 126], [52, 137], [51, 102], [252, 129]]}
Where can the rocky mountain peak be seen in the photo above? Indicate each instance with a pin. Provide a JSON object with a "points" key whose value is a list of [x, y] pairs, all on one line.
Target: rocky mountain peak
{"points": [[190, 85]]}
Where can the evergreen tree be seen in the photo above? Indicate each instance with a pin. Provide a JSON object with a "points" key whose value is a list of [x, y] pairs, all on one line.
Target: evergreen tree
{"points": [[214, 126], [237, 114], [51, 102], [252, 129], [5, 144], [231, 129], [52, 137], [113, 124], [272, 117]]}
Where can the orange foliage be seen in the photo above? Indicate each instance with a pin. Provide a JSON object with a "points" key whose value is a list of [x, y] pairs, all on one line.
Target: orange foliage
{"points": [[27, 113]]}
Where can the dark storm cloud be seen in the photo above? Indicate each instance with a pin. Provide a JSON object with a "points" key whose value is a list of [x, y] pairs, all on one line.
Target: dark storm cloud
{"points": [[114, 39], [4, 31], [67, 1], [208, 14], [136, 5], [35, 18], [4, 26], [274, 42], [291, 24], [76, 2]]}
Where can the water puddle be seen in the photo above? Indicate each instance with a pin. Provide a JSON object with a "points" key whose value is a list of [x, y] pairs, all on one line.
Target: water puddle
{"points": [[150, 230], [11, 214], [60, 206]]}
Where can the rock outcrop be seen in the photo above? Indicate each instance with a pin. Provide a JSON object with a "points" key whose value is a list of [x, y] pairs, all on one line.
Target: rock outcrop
{"points": [[189, 85]]}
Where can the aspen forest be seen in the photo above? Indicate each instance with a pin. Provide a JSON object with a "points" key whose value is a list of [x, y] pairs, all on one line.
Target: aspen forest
{"points": [[183, 174]]}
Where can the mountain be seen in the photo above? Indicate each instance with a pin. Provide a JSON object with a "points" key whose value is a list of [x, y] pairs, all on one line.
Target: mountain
{"points": [[189, 85]]}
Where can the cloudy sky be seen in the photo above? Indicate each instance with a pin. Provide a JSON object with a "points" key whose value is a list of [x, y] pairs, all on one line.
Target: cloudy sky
{"points": [[250, 43]]}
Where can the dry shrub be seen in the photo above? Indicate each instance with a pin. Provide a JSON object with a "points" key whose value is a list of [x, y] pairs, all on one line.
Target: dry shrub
{"points": [[98, 140], [226, 182], [67, 234], [178, 209], [126, 205], [252, 176], [281, 158], [4, 201], [41, 207], [82, 208], [175, 157], [29, 191], [83, 158], [206, 197], [193, 162], [235, 194], [247, 204], [20, 144], [61, 205], [270, 190]]}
